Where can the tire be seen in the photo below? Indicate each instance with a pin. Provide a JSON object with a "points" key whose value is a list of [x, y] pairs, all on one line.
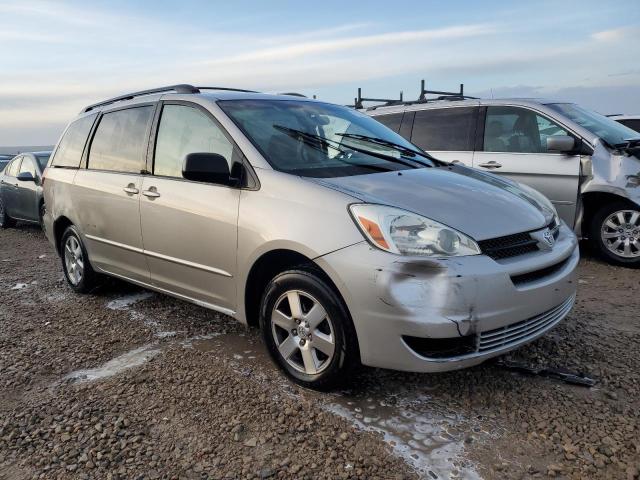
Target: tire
{"points": [[75, 262], [5, 220], [608, 228], [315, 348], [41, 212]]}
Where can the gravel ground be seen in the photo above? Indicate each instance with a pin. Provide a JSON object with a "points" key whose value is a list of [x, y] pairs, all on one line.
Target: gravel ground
{"points": [[200, 399]]}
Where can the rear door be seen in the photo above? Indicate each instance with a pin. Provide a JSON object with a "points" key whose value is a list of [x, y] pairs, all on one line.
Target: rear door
{"points": [[107, 192], [190, 228], [26, 193], [514, 145], [446, 133]]}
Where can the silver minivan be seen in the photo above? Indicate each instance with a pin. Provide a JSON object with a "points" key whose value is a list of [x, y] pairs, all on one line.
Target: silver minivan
{"points": [[586, 163], [344, 242]]}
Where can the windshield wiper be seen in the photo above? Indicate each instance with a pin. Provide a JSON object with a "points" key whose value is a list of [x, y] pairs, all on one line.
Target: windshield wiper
{"points": [[310, 138], [387, 143]]}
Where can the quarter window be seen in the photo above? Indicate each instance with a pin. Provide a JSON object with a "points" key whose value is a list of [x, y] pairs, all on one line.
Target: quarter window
{"points": [[185, 130], [518, 130], [120, 140], [71, 146], [392, 121], [445, 129]]}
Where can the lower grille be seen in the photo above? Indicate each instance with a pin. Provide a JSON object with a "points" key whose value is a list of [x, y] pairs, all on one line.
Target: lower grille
{"points": [[529, 277], [508, 335]]}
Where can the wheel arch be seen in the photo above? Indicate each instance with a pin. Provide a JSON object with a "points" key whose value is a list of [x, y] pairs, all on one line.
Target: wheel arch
{"points": [[59, 226], [592, 201]]}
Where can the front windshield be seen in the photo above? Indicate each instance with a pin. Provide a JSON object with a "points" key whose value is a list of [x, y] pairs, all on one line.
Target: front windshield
{"points": [[610, 131], [316, 139]]}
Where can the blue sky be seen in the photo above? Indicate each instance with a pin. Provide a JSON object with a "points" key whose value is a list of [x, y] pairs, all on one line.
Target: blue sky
{"points": [[58, 56]]}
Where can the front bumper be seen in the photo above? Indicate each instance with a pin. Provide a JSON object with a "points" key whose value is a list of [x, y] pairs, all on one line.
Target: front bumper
{"points": [[497, 305]]}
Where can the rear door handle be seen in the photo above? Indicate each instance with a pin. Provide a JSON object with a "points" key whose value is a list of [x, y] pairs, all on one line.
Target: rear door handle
{"points": [[491, 164], [151, 193], [131, 189]]}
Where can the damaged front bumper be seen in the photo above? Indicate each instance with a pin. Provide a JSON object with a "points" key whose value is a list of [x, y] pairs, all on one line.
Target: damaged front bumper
{"points": [[428, 315]]}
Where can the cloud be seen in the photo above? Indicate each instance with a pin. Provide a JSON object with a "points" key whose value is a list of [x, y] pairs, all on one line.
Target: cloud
{"points": [[616, 34]]}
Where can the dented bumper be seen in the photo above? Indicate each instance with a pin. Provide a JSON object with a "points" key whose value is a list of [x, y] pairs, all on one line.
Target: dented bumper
{"points": [[495, 306]]}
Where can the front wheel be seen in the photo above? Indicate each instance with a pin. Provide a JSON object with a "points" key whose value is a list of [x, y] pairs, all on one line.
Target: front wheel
{"points": [[308, 330], [615, 232], [75, 262]]}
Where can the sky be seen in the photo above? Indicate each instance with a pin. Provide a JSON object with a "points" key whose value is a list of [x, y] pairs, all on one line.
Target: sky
{"points": [[57, 57]]}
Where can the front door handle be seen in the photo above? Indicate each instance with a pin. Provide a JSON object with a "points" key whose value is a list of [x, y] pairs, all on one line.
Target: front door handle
{"points": [[491, 164], [151, 193], [131, 189]]}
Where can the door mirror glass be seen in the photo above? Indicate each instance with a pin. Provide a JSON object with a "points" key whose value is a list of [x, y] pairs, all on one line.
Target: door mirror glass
{"points": [[207, 167], [26, 177], [560, 143]]}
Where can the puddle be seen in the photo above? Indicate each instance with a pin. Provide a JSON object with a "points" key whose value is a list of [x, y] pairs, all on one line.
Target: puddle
{"points": [[133, 358], [416, 428], [124, 302]]}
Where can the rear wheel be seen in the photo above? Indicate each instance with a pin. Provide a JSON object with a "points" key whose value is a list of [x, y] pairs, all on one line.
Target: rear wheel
{"points": [[615, 232], [75, 262], [308, 330], [5, 220]]}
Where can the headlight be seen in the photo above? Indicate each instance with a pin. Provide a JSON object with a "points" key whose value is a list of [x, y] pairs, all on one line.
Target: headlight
{"points": [[405, 233]]}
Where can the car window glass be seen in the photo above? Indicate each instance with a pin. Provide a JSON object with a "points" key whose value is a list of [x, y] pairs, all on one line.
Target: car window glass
{"points": [[12, 169], [392, 121], [633, 124], [448, 129], [27, 166], [71, 146], [518, 130], [185, 130], [120, 140], [43, 160]]}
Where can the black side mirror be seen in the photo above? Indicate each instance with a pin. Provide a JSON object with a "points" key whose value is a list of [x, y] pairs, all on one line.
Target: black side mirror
{"points": [[208, 167], [26, 177]]}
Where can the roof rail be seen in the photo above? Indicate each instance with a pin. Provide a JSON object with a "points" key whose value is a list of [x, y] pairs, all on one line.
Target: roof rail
{"points": [[358, 102], [182, 88], [293, 94]]}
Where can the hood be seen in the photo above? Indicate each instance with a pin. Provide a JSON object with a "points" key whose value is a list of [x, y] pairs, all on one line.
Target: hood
{"points": [[478, 204]]}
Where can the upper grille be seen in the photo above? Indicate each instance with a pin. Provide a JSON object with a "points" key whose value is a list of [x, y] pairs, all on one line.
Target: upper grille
{"points": [[508, 246], [516, 332]]}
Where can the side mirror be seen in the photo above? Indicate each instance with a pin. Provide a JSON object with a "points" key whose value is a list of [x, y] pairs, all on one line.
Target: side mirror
{"points": [[25, 177], [560, 143], [207, 167]]}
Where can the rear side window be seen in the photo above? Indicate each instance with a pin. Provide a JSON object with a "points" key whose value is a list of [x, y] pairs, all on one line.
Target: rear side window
{"points": [[120, 140], [447, 129], [392, 121], [185, 130], [71, 146]]}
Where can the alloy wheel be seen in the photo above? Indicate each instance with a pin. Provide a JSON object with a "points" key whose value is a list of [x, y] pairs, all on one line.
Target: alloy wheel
{"points": [[620, 233], [303, 332], [73, 260]]}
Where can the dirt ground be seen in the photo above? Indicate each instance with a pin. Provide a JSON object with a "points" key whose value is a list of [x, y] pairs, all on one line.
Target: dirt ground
{"points": [[125, 383]]}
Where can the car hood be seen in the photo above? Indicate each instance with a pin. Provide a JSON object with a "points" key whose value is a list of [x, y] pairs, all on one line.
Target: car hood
{"points": [[478, 204]]}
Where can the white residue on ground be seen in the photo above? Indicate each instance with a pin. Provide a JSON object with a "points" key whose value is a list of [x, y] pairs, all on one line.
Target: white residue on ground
{"points": [[124, 302], [19, 286], [415, 431]]}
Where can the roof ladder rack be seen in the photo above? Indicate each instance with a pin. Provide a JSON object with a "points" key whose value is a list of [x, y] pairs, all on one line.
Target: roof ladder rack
{"points": [[443, 95], [358, 101]]}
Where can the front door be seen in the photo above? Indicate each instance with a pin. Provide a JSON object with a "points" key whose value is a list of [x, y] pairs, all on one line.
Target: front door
{"points": [[26, 201], [107, 193], [515, 142], [9, 187], [189, 228]]}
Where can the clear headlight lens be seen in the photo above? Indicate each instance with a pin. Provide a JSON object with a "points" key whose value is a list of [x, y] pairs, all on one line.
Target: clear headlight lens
{"points": [[405, 233]]}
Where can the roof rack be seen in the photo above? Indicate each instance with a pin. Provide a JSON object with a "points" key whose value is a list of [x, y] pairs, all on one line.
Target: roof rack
{"points": [[181, 88], [421, 99], [357, 102]]}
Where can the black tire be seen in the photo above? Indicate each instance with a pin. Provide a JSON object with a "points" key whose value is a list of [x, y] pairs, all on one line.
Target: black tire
{"points": [[597, 240], [345, 357], [89, 279], [5, 220], [41, 212]]}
